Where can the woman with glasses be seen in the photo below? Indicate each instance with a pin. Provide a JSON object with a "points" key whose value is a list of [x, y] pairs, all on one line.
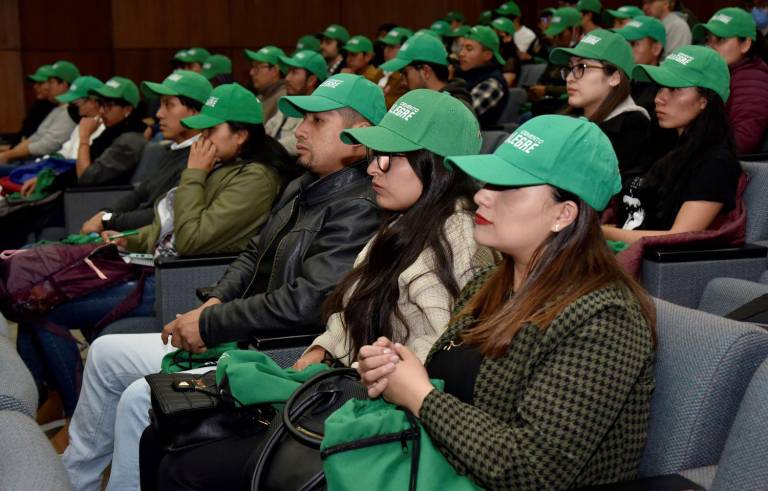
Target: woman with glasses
{"points": [[732, 32], [111, 157], [688, 188], [405, 281], [548, 358], [597, 72]]}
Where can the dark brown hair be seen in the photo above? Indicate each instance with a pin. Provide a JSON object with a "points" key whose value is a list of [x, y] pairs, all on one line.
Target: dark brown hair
{"points": [[568, 265]]}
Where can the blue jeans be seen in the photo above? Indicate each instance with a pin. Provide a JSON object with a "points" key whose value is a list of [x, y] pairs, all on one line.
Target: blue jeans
{"points": [[54, 359]]}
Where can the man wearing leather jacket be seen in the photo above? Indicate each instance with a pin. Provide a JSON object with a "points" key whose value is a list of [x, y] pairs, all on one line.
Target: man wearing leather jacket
{"points": [[276, 286]]}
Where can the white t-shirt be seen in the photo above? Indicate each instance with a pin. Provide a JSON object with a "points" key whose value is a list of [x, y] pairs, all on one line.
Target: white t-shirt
{"points": [[71, 146]]}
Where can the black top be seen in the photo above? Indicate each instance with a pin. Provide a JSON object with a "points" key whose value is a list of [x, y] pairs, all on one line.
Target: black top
{"points": [[714, 178], [458, 367], [629, 133]]}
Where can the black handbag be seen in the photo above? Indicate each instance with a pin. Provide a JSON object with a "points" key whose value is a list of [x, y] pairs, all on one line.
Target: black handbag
{"points": [[289, 455], [190, 410]]}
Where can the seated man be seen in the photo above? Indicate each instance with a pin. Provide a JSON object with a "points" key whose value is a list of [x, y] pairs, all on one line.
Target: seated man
{"points": [[392, 82], [57, 125], [39, 108], [359, 56], [423, 62], [591, 15], [306, 70], [322, 221], [267, 76], [480, 63], [333, 38], [191, 59], [87, 107], [218, 69], [647, 37], [182, 94]]}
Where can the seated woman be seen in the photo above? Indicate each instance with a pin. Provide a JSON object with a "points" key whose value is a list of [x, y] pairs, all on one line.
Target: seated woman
{"points": [[223, 197], [406, 278], [597, 74], [111, 157], [690, 186], [548, 359], [732, 33]]}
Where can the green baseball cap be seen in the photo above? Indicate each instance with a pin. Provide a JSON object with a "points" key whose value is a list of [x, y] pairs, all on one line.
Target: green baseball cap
{"points": [[64, 70], [41, 74], [455, 15], [79, 89], [217, 65], [504, 25], [419, 47], [689, 66], [644, 26], [459, 32], [309, 42], [562, 19], [118, 88], [396, 36], [589, 6], [309, 60], [508, 8], [727, 23], [359, 44], [341, 90], [181, 82], [441, 27], [227, 102], [422, 119], [625, 12], [267, 54], [488, 38], [602, 45], [192, 55], [485, 17], [337, 32], [430, 32], [569, 153]]}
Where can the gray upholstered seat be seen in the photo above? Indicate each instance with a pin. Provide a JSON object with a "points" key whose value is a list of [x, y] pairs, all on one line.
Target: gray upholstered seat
{"points": [[724, 295], [18, 391]]}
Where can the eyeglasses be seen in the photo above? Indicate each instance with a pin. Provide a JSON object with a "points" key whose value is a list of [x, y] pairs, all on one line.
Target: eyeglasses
{"points": [[578, 70], [107, 104], [383, 163]]}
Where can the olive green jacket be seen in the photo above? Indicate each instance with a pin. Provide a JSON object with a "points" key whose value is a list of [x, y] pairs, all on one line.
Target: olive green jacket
{"points": [[564, 407], [216, 212]]}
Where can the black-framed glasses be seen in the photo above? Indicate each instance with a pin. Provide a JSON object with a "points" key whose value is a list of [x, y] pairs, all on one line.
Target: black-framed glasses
{"points": [[107, 104], [578, 70], [383, 163]]}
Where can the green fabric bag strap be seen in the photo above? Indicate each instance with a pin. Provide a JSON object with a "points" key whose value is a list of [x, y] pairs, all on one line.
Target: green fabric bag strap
{"points": [[180, 360], [254, 378]]}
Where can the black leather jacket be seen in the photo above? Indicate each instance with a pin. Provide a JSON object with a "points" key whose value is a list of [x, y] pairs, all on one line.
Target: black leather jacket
{"points": [[335, 217]]}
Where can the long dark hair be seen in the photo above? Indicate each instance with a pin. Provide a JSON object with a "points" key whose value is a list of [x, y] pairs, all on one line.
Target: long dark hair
{"points": [[372, 287], [262, 148], [566, 266], [759, 48], [672, 172]]}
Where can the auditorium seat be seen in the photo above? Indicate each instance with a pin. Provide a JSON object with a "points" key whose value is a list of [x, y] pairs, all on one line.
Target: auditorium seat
{"points": [[18, 391], [723, 295]]}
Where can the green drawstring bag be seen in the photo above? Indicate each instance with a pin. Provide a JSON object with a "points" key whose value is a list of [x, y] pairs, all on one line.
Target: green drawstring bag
{"points": [[45, 179], [255, 378], [617, 246], [180, 360], [390, 444]]}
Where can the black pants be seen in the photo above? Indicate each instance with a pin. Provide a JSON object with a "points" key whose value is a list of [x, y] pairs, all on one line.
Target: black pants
{"points": [[218, 466]]}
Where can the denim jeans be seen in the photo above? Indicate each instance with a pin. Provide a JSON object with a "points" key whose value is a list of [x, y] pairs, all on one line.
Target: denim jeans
{"points": [[113, 411], [52, 358]]}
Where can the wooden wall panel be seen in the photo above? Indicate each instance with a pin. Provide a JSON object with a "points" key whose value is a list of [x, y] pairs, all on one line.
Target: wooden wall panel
{"points": [[70, 25], [10, 37], [12, 88]]}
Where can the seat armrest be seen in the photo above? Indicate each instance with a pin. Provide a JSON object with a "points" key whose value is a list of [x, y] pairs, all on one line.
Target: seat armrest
{"points": [[670, 482], [694, 252], [193, 261], [281, 342]]}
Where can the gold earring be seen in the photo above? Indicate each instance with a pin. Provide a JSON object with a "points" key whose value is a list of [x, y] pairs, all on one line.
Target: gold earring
{"points": [[557, 227]]}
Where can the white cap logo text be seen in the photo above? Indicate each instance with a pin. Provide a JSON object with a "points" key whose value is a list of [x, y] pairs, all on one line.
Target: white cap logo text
{"points": [[591, 39], [681, 58], [725, 19], [175, 77], [211, 102], [524, 141], [404, 111], [331, 83], [114, 84]]}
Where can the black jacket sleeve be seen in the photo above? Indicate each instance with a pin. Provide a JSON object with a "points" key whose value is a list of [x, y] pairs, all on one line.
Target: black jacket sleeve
{"points": [[129, 220], [117, 163], [295, 304]]}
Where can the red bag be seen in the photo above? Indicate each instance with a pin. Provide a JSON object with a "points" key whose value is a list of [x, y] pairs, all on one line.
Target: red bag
{"points": [[34, 281]]}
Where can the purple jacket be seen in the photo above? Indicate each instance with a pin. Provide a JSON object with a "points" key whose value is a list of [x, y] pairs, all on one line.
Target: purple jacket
{"points": [[748, 103]]}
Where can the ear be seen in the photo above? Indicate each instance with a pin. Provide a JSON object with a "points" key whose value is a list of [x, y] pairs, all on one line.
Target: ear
{"points": [[657, 48], [569, 210], [240, 137], [362, 124], [615, 79], [702, 103], [311, 81], [368, 57], [745, 46], [487, 55]]}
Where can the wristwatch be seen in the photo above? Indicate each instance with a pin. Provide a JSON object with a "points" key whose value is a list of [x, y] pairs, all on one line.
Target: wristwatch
{"points": [[105, 218]]}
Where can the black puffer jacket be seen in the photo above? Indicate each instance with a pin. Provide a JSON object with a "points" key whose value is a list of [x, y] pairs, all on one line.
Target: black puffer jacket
{"points": [[310, 242]]}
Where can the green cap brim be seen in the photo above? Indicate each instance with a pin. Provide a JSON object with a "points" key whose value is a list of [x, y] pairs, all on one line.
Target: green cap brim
{"points": [[494, 170], [633, 34], [37, 78], [701, 30], [554, 30], [154, 90], [379, 139], [394, 65], [660, 75], [388, 42], [617, 14], [295, 106], [68, 97], [498, 57], [561, 56], [201, 122], [107, 92]]}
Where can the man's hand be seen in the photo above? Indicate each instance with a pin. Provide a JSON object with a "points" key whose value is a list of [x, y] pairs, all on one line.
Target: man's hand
{"points": [[120, 242], [184, 331], [93, 224], [536, 92], [28, 187], [87, 127]]}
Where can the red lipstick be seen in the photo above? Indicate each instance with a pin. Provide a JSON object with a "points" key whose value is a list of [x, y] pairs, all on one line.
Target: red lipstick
{"points": [[481, 220]]}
